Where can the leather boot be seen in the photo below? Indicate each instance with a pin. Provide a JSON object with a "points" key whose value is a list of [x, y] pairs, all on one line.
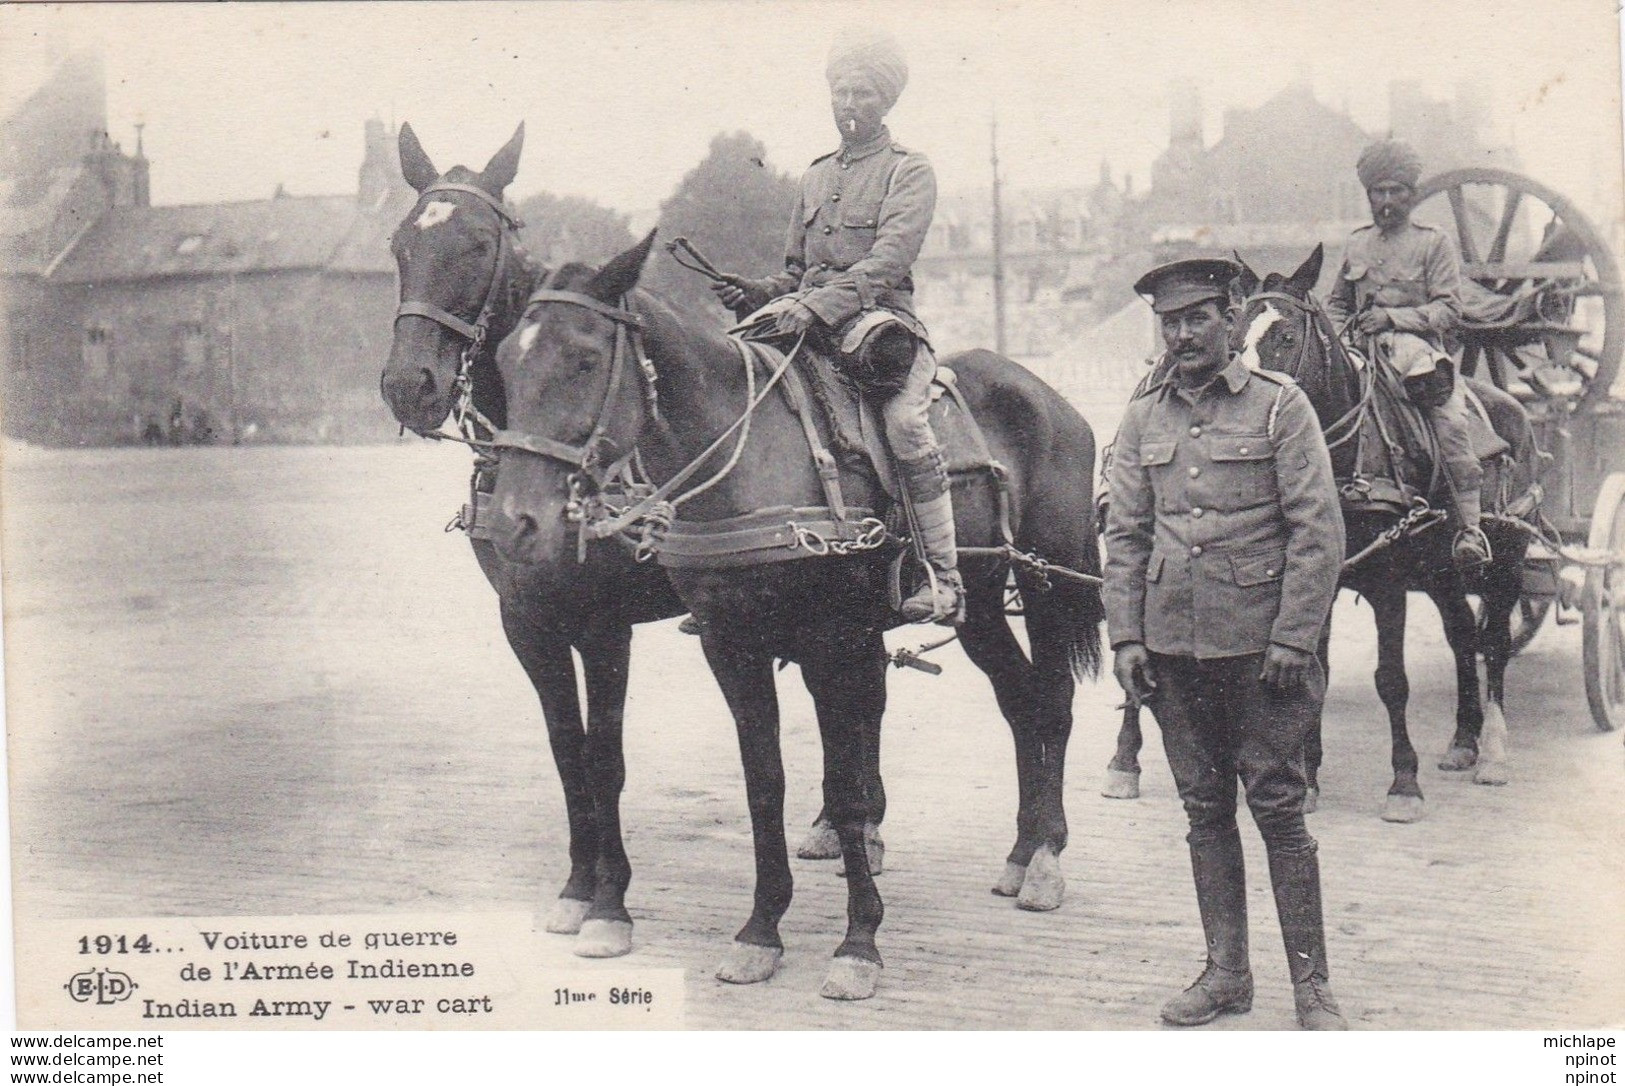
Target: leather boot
{"points": [[1295, 878], [1471, 548], [1226, 985], [942, 598]]}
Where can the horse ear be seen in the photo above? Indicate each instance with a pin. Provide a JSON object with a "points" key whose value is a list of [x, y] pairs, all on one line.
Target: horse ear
{"points": [[1246, 282], [415, 165], [1308, 273], [620, 275], [499, 172]]}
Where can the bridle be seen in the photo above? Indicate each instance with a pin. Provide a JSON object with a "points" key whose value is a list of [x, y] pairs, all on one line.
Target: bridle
{"points": [[595, 471], [597, 459], [470, 420], [1346, 426]]}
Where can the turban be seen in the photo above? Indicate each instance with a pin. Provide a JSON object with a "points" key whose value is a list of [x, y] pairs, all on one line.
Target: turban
{"points": [[873, 55], [1389, 160]]}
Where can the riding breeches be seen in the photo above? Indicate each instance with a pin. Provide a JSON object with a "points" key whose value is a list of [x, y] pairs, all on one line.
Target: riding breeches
{"points": [[1452, 428], [1220, 722], [907, 412]]}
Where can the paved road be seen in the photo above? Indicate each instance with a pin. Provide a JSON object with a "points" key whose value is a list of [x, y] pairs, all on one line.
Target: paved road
{"points": [[262, 681]]}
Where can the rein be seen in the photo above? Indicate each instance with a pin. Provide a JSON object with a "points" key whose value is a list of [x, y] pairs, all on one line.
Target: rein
{"points": [[470, 420]]}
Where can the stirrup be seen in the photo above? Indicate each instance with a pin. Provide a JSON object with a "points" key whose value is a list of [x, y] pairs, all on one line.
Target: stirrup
{"points": [[1471, 549], [941, 599]]}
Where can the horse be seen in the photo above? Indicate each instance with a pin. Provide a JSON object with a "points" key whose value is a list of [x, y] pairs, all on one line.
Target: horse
{"points": [[463, 283], [1283, 327], [600, 367]]}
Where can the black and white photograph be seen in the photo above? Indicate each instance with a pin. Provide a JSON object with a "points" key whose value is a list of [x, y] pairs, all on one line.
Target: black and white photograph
{"points": [[719, 515]]}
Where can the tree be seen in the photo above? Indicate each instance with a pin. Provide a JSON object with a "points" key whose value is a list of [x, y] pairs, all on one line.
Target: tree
{"points": [[733, 206], [560, 229]]}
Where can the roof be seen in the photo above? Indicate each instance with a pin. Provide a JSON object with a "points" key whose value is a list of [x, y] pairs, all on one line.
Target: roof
{"points": [[210, 239]]}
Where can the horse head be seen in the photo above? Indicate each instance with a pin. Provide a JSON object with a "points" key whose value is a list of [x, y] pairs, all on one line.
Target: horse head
{"points": [[1284, 328], [458, 257], [577, 398]]}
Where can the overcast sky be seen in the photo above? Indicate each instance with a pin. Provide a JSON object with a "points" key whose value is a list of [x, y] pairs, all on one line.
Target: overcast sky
{"points": [[620, 99]]}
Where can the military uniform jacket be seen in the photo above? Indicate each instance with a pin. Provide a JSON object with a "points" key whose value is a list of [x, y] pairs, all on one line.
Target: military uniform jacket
{"points": [[860, 218], [1415, 274], [1223, 531]]}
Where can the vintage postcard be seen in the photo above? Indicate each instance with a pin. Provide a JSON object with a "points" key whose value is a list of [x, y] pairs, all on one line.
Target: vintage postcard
{"points": [[421, 613]]}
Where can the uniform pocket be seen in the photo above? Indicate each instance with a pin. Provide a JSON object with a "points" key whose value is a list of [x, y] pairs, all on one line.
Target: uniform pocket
{"points": [[1227, 447], [856, 236], [1402, 292], [1258, 567], [1156, 453]]}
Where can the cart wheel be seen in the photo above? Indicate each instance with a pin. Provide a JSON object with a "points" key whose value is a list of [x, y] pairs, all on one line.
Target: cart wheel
{"points": [[1603, 640], [1516, 234]]}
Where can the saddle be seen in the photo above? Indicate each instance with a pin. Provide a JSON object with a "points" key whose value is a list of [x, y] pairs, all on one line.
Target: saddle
{"points": [[846, 441], [1397, 456]]}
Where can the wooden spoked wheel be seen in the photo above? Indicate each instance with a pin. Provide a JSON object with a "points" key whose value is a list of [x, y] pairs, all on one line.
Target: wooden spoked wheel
{"points": [[1520, 240], [1602, 604]]}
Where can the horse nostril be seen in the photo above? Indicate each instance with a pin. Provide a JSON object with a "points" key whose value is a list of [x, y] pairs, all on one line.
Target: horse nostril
{"points": [[524, 526], [427, 388]]}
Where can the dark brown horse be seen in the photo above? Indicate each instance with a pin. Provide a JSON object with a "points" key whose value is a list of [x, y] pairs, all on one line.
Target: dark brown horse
{"points": [[463, 287], [1283, 327], [579, 400]]}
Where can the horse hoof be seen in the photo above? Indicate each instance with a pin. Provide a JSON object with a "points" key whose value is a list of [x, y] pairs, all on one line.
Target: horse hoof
{"points": [[1009, 884], [821, 843], [1311, 800], [1457, 759], [604, 939], [1402, 809], [1121, 784], [851, 978], [567, 915], [748, 963], [1490, 773], [1043, 888]]}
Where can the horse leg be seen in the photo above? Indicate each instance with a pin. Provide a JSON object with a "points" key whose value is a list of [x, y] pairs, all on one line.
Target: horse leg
{"points": [[821, 842], [1123, 771], [1460, 631], [607, 930], [846, 675], [1500, 598], [545, 656], [1052, 687], [989, 642], [746, 679], [1404, 803]]}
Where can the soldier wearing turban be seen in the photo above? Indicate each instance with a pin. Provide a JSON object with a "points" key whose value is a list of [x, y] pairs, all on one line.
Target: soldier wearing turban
{"points": [[1400, 289], [860, 218]]}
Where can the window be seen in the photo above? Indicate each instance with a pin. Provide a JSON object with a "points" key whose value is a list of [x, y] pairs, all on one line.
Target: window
{"points": [[193, 347], [97, 352]]}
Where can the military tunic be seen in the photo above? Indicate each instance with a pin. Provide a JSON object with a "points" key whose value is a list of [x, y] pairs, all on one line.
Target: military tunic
{"points": [[1413, 273], [860, 218], [1223, 532]]}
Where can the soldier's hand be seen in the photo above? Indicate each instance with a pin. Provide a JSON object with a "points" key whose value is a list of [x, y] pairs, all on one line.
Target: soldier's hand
{"points": [[1374, 320], [742, 296], [796, 319], [1286, 669], [730, 293], [1132, 666]]}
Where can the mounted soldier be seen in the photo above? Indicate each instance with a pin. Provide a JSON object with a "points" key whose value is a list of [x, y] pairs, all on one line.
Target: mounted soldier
{"points": [[1401, 286], [860, 218], [1223, 547]]}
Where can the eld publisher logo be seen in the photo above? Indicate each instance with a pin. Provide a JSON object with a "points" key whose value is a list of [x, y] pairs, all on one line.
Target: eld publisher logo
{"points": [[101, 986]]}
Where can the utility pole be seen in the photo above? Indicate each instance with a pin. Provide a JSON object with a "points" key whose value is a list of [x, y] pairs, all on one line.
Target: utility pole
{"points": [[998, 245]]}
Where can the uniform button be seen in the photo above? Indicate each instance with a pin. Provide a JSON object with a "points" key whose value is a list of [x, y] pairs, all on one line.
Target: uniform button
{"points": [[829, 230], [846, 165], [1242, 450], [824, 266], [1196, 431], [1198, 511], [836, 198], [1194, 472], [1196, 551], [1269, 573]]}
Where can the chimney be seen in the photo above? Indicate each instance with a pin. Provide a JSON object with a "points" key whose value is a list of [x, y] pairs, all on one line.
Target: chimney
{"points": [[380, 172]]}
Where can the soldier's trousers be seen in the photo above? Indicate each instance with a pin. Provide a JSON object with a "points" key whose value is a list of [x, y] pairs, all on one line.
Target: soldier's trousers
{"points": [[907, 413], [1452, 427], [1220, 724]]}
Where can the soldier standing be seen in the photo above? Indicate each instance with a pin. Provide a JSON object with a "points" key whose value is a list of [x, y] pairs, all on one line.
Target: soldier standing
{"points": [[860, 218], [1401, 284], [1224, 542]]}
